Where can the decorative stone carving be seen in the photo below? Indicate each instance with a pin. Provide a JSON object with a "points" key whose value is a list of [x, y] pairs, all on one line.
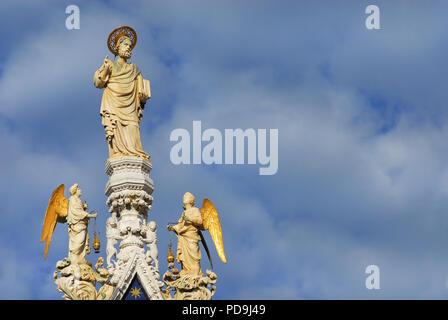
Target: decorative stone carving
{"points": [[129, 198], [188, 286], [150, 238], [112, 236], [132, 262], [77, 280]]}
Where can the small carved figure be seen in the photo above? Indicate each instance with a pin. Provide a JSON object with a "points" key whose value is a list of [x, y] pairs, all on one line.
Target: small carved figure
{"points": [[151, 240], [112, 236]]}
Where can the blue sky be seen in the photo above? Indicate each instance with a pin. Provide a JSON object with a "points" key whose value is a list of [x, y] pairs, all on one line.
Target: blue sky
{"points": [[362, 176]]}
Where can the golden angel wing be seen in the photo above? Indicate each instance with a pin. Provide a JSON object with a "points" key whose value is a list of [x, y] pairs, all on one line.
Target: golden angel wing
{"points": [[57, 211], [210, 222]]}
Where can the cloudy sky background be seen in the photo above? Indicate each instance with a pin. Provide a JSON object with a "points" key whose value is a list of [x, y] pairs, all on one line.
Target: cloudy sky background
{"points": [[361, 114]]}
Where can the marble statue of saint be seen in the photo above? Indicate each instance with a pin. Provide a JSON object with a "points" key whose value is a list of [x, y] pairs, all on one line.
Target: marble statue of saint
{"points": [[124, 97]]}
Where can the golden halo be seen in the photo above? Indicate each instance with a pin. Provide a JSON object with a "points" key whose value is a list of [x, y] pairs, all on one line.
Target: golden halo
{"points": [[117, 34]]}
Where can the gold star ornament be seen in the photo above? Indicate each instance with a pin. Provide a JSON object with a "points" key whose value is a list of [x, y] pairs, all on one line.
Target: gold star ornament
{"points": [[135, 292]]}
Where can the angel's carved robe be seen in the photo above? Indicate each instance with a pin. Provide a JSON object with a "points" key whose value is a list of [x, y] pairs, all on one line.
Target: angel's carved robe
{"points": [[122, 108], [188, 251], [77, 220]]}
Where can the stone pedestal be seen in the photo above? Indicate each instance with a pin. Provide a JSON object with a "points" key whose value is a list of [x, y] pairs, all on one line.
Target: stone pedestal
{"points": [[188, 287], [129, 199]]}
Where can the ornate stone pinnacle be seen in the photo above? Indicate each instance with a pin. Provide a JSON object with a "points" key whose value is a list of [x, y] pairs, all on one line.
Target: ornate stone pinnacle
{"points": [[129, 192]]}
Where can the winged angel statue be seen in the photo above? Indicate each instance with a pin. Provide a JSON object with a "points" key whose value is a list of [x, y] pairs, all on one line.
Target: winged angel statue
{"points": [[60, 209], [188, 231]]}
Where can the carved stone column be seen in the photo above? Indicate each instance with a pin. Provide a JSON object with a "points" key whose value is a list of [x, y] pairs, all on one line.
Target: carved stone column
{"points": [[129, 199]]}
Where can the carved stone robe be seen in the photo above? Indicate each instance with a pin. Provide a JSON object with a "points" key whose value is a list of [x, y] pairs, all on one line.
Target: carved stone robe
{"points": [[188, 251], [122, 109]]}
